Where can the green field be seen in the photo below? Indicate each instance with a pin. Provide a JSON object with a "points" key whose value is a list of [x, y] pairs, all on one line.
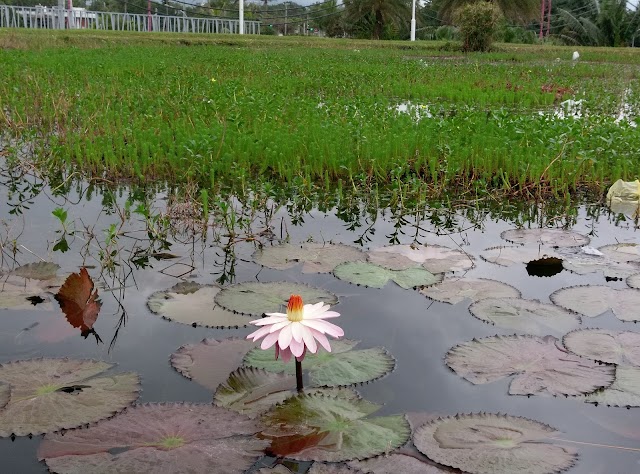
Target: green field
{"points": [[221, 111]]}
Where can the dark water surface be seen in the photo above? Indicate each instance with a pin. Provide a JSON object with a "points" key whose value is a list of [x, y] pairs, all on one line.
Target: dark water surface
{"points": [[415, 330]]}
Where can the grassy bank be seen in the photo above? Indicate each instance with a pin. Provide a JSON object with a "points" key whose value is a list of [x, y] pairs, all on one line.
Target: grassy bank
{"points": [[229, 110]]}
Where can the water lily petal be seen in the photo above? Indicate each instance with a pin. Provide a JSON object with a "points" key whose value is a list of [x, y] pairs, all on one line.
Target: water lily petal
{"points": [[269, 341], [269, 320], [309, 341], [296, 331], [322, 315], [324, 327], [285, 337], [278, 326], [322, 339], [280, 315], [286, 355], [297, 348], [263, 331]]}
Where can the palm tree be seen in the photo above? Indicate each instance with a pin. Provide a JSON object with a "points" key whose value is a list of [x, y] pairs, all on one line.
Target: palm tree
{"points": [[378, 13], [515, 10]]}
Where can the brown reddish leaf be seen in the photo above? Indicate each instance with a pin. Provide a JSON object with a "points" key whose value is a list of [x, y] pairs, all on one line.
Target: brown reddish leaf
{"points": [[285, 445], [79, 302]]}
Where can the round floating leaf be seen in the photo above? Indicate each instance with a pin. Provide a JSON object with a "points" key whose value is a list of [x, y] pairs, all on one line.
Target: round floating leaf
{"points": [[152, 438], [540, 366], [342, 366], [584, 264], [78, 300], [592, 301], [194, 304], [368, 274], [316, 258], [277, 469], [319, 468], [614, 347], [550, 237], [622, 252], [210, 362], [434, 258], [396, 463], [324, 428], [625, 391], [5, 394], [456, 290], [37, 270], [20, 293], [634, 281], [486, 443], [253, 391], [52, 394], [528, 316], [258, 298], [511, 255]]}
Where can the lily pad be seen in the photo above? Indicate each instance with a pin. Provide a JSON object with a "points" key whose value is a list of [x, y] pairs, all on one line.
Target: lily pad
{"points": [[320, 468], [316, 258], [210, 362], [486, 443], [78, 300], [584, 264], [625, 391], [550, 237], [396, 463], [528, 316], [52, 394], [333, 429], [256, 299], [434, 258], [5, 394], [622, 252], [342, 366], [254, 391], [454, 291], [592, 301], [37, 270], [194, 304], [539, 364], [613, 347], [515, 255], [152, 438], [368, 274], [634, 281], [21, 293]]}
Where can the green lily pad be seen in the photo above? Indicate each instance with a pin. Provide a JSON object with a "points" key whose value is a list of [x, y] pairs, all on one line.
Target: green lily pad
{"points": [[325, 428], [434, 258], [540, 366], [455, 290], [486, 443], [592, 301], [613, 347], [194, 304], [585, 264], [506, 256], [622, 252], [252, 391], [256, 299], [52, 394], [155, 438], [210, 362], [625, 391], [316, 258], [551, 237], [37, 270], [634, 281], [396, 463], [21, 293], [368, 274], [528, 316], [342, 366]]}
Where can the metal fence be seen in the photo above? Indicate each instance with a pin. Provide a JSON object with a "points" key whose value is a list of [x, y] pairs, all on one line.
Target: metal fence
{"points": [[79, 18]]}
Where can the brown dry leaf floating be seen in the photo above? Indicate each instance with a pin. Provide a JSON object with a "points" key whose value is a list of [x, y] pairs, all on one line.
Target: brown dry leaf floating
{"points": [[79, 302]]}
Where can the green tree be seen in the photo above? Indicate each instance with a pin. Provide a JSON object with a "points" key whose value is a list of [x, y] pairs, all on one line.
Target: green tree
{"points": [[376, 15], [478, 23], [514, 10]]}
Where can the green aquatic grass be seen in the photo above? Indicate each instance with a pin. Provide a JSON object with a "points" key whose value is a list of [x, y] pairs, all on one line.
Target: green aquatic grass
{"points": [[230, 111]]}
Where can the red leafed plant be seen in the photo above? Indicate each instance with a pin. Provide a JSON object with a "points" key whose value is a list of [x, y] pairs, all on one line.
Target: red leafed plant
{"points": [[79, 302]]}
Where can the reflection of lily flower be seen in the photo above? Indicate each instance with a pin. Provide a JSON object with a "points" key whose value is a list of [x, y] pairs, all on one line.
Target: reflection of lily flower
{"points": [[296, 331]]}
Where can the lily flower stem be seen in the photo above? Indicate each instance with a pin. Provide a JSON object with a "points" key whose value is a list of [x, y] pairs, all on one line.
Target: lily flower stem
{"points": [[299, 376]]}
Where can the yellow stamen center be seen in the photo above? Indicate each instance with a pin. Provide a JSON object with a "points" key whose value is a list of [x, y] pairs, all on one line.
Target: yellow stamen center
{"points": [[295, 309]]}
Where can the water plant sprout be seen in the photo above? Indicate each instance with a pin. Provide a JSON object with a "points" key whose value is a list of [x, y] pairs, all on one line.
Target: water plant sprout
{"points": [[296, 331]]}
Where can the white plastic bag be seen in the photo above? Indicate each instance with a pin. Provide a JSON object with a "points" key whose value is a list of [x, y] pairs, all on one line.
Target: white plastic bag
{"points": [[624, 198]]}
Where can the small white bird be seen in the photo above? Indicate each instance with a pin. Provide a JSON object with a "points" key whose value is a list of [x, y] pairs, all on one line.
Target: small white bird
{"points": [[576, 56]]}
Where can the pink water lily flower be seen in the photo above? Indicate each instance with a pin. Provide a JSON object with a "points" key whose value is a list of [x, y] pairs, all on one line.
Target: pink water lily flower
{"points": [[297, 331]]}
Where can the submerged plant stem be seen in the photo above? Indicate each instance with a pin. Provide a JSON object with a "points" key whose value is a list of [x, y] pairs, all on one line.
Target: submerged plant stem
{"points": [[597, 445]]}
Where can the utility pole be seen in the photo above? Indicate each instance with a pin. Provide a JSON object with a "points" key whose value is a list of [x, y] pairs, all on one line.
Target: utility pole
{"points": [[241, 17], [413, 21], [286, 16], [148, 15], [545, 14]]}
